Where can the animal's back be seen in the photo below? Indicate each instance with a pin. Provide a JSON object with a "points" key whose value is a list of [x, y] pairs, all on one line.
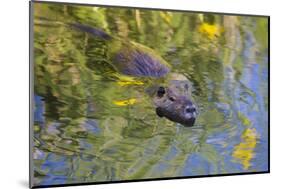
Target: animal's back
{"points": [[128, 57]]}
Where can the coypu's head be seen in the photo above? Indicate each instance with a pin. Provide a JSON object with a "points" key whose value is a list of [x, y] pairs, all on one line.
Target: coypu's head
{"points": [[174, 102]]}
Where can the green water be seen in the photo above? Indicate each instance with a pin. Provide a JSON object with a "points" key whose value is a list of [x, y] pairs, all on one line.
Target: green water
{"points": [[91, 127]]}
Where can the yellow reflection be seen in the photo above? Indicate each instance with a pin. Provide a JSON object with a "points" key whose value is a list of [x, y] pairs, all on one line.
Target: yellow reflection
{"points": [[167, 16], [244, 152], [124, 83], [127, 80], [125, 102], [211, 30]]}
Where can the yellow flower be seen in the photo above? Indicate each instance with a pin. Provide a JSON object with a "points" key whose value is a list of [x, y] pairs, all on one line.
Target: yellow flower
{"points": [[211, 30], [125, 102], [244, 152]]}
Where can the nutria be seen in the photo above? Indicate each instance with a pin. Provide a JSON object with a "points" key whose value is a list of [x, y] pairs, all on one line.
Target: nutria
{"points": [[170, 92]]}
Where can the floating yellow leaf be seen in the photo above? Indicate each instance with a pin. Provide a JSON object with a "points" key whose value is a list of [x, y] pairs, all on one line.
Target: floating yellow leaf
{"points": [[125, 102], [244, 152], [211, 30]]}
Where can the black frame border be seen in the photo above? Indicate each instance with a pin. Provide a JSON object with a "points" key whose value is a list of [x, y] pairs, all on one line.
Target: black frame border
{"points": [[31, 85]]}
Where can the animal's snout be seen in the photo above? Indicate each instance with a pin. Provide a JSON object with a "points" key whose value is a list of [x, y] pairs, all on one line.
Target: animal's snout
{"points": [[190, 109], [190, 114]]}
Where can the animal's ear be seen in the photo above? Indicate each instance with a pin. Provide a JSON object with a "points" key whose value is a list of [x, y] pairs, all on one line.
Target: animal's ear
{"points": [[161, 91]]}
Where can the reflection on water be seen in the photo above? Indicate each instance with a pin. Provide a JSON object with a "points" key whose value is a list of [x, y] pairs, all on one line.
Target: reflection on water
{"points": [[92, 124]]}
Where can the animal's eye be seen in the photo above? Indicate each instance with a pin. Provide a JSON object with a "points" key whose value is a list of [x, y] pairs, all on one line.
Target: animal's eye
{"points": [[171, 98], [161, 91]]}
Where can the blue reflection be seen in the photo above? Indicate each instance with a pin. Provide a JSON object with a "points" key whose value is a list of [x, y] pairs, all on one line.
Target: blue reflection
{"points": [[92, 126], [39, 109], [197, 165], [57, 169]]}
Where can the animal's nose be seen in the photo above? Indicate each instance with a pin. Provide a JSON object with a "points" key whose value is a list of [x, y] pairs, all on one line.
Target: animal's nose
{"points": [[190, 109]]}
